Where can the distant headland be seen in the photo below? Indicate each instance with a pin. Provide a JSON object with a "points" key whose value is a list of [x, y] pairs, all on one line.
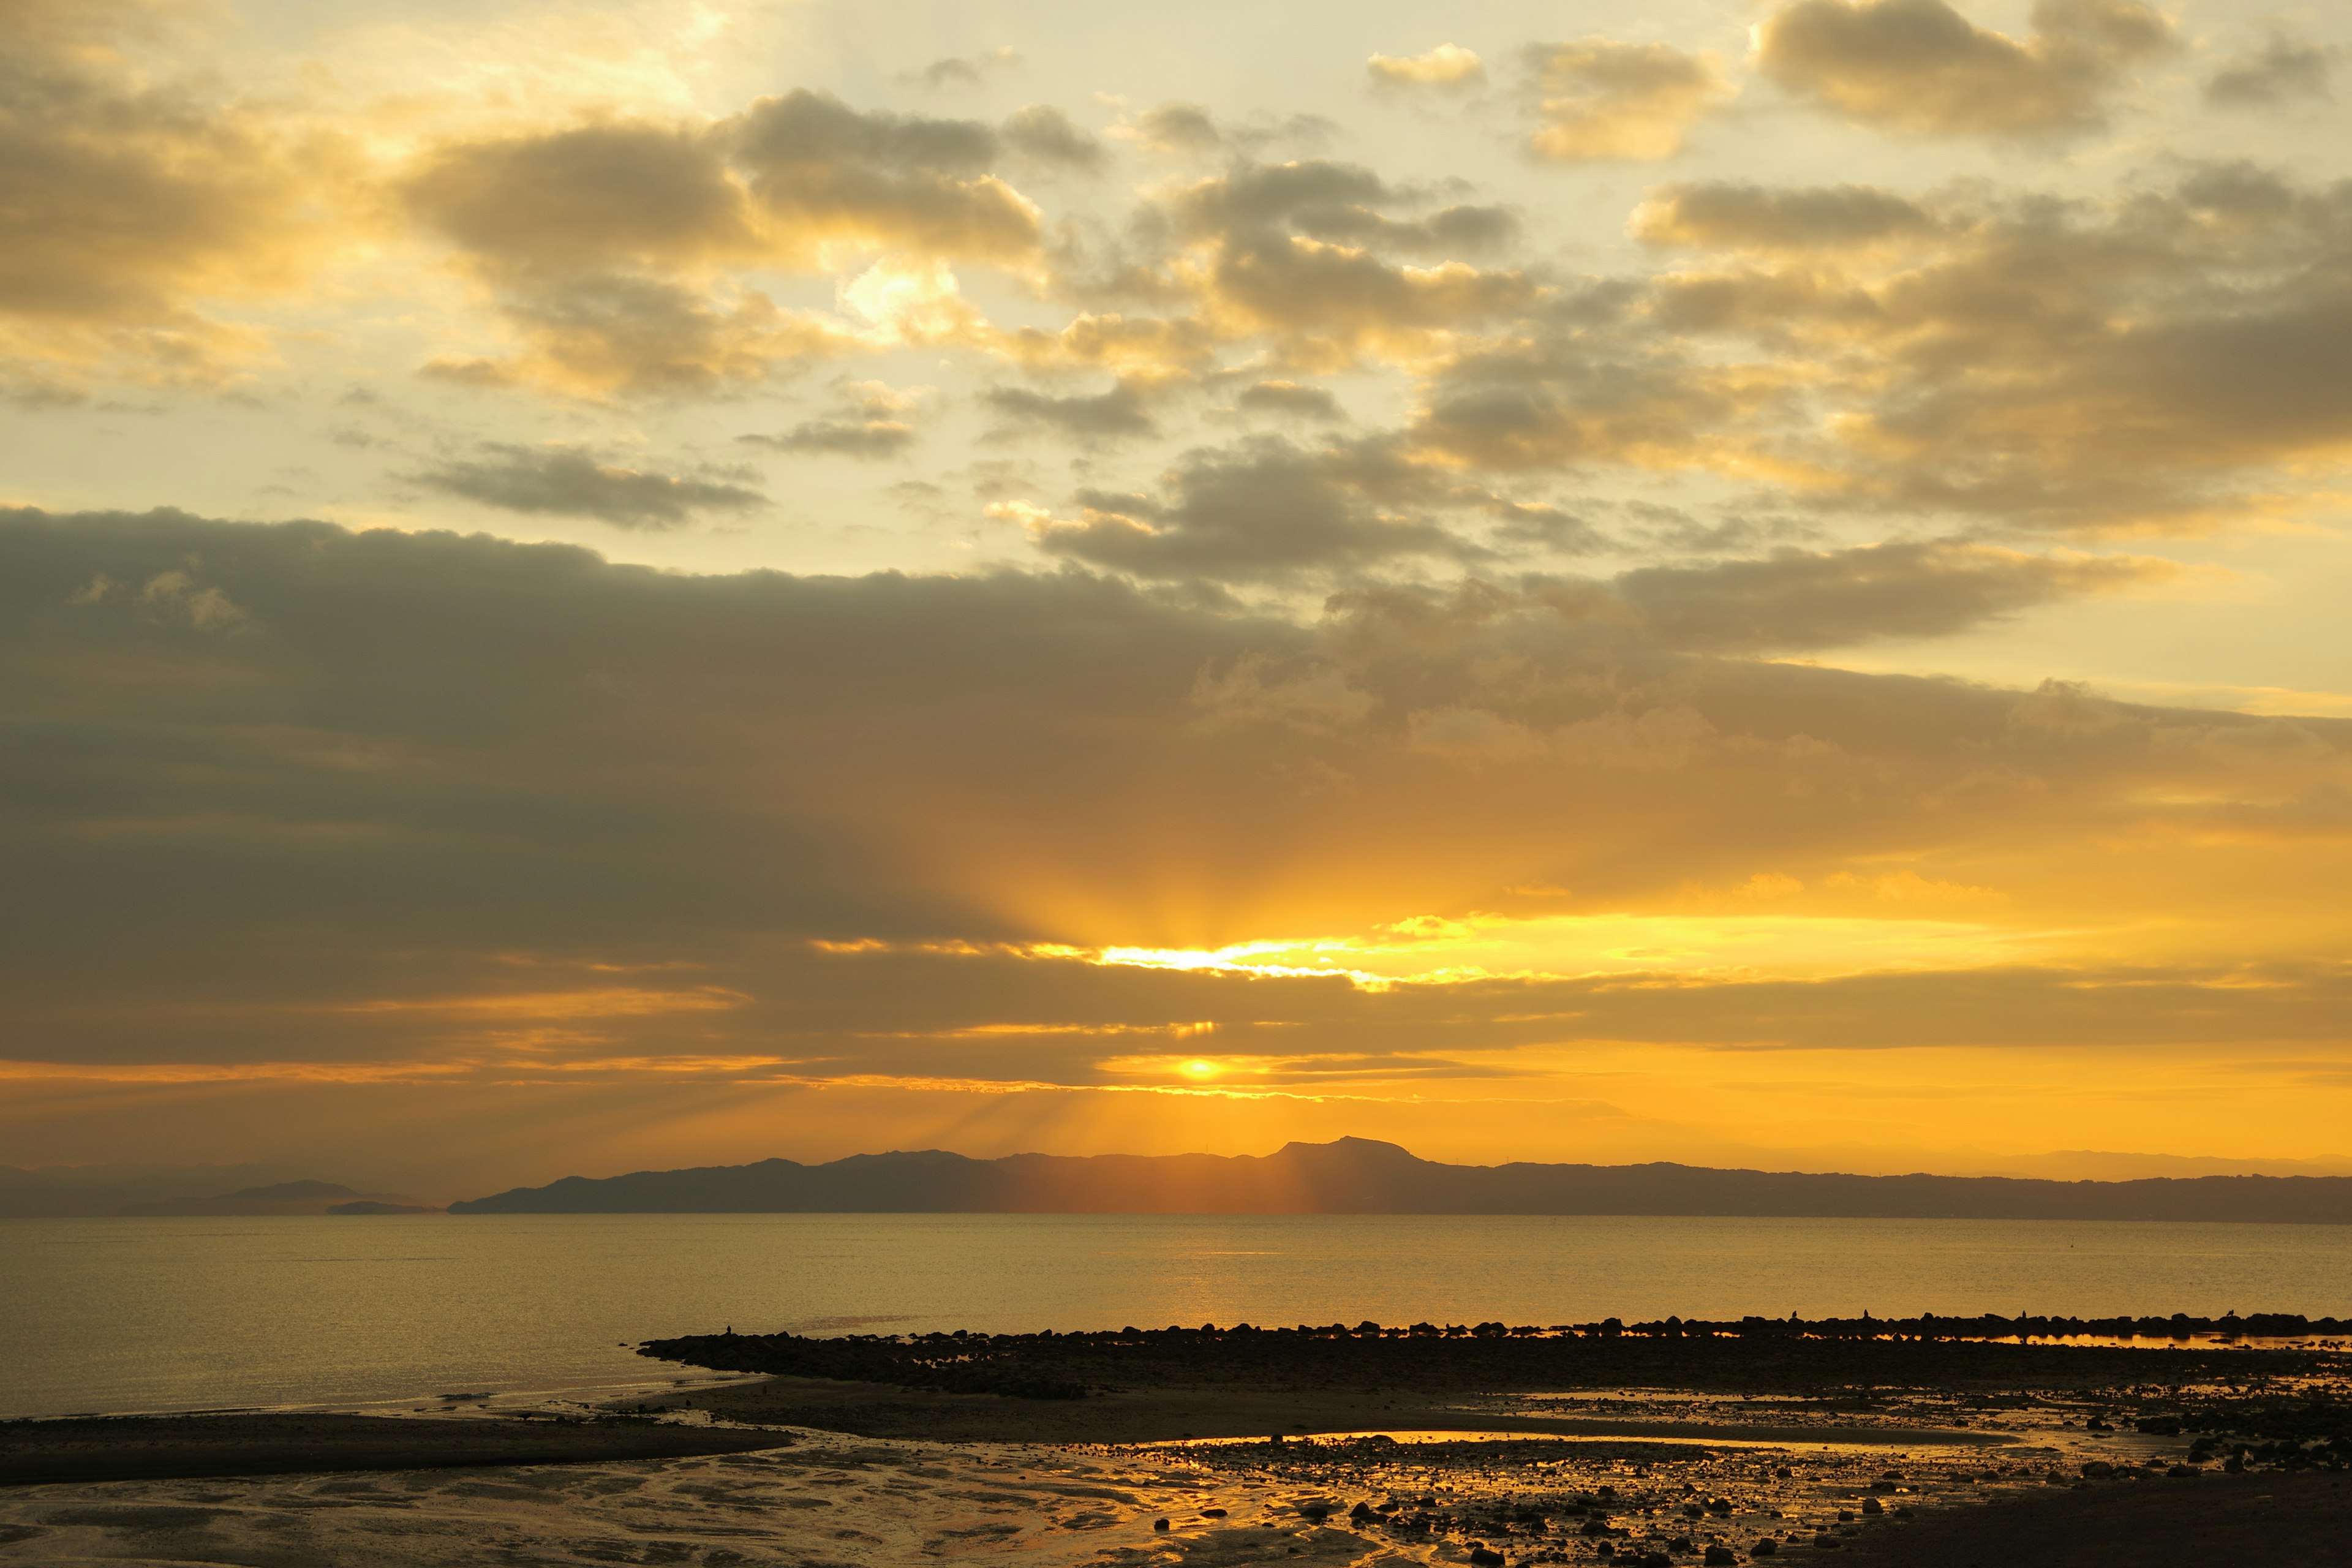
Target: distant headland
{"points": [[1360, 1175]]}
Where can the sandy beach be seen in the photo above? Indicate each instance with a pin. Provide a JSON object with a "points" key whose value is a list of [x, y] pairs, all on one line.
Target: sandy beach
{"points": [[813, 1499], [812, 1473]]}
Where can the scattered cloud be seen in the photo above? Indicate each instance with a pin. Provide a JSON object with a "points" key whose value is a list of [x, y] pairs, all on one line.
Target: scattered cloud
{"points": [[1920, 67], [1124, 410], [1597, 99], [135, 209], [1448, 68], [2282, 71], [607, 246], [966, 70], [1725, 217], [1289, 397], [871, 420], [824, 174], [1044, 133], [1177, 130], [568, 481], [1267, 508], [1310, 253]]}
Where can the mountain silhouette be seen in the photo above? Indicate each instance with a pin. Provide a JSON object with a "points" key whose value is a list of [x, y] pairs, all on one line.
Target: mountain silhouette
{"points": [[1363, 1175], [278, 1198]]}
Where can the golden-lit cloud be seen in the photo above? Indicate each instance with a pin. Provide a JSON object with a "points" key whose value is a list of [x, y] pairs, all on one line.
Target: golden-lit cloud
{"points": [[139, 213], [1598, 98], [1185, 792], [614, 248], [1755, 218], [1448, 68], [1600, 594]]}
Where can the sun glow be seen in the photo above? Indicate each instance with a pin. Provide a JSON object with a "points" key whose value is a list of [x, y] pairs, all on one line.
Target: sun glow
{"points": [[1433, 950]]}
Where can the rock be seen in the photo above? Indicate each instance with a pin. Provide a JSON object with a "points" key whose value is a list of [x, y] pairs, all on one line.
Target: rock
{"points": [[1485, 1557], [1212, 1513], [2097, 1469], [2177, 1471], [1656, 1560], [1361, 1511], [1871, 1505], [1681, 1544], [1765, 1547], [1159, 1524], [1721, 1557]]}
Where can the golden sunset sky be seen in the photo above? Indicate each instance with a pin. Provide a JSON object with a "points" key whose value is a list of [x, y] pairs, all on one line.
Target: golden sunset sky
{"points": [[613, 584]]}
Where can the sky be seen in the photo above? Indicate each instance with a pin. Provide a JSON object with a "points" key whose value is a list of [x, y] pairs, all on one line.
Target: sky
{"points": [[604, 585]]}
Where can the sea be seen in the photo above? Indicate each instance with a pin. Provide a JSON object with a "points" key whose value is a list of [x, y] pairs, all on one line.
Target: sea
{"points": [[122, 1315]]}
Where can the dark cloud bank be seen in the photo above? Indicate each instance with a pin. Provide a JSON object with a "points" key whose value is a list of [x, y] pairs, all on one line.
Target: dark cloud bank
{"points": [[366, 798]]}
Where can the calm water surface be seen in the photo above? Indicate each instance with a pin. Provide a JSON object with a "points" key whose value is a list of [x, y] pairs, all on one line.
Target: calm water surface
{"points": [[163, 1314]]}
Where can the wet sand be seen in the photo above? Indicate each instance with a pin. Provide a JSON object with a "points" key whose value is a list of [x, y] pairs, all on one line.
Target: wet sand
{"points": [[129, 1447], [805, 1472], [1224, 1411], [832, 1502]]}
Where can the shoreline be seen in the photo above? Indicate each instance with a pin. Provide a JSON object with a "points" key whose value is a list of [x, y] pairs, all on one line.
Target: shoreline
{"points": [[1203, 1449], [44, 1451]]}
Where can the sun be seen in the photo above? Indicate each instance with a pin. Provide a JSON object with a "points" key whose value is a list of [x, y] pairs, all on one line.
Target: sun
{"points": [[1197, 1068]]}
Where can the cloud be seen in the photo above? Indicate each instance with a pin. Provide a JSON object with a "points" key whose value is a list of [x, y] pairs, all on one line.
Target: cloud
{"points": [[568, 481], [1593, 385], [1920, 67], [1448, 68], [1726, 216], [870, 421], [1597, 99], [966, 70], [2282, 71], [1264, 509], [1179, 130], [1302, 251], [825, 174], [461, 809], [1289, 397], [2140, 363], [585, 200], [1799, 599], [1046, 134], [135, 208], [612, 248], [1124, 410]]}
